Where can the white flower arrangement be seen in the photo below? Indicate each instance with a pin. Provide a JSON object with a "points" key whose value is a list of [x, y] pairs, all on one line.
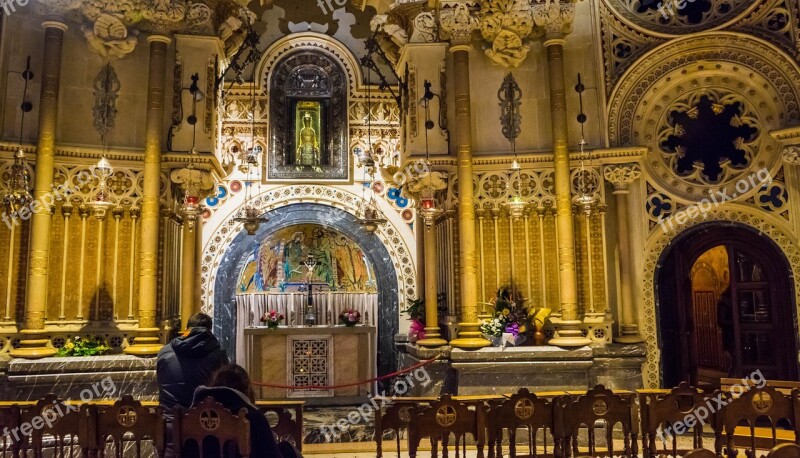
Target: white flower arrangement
{"points": [[494, 327]]}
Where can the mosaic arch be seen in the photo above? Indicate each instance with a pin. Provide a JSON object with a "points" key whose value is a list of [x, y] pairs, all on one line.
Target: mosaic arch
{"points": [[772, 228], [329, 206]]}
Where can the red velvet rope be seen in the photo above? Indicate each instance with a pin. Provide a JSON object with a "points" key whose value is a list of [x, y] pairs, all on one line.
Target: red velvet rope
{"points": [[331, 387]]}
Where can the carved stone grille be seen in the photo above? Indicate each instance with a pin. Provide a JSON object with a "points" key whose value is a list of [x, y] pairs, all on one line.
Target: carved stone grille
{"points": [[310, 366]]}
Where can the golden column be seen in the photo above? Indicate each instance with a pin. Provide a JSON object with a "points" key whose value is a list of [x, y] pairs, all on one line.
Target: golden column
{"points": [[196, 184], [457, 24], [147, 340], [32, 344], [568, 327], [189, 306], [433, 336], [621, 176]]}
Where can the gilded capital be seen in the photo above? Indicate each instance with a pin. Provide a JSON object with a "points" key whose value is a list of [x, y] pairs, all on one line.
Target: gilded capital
{"points": [[554, 18], [195, 183], [456, 23], [622, 175]]}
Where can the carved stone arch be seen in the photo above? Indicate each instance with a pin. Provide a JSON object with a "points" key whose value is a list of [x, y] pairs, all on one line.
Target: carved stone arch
{"points": [[332, 205], [729, 68], [776, 230], [311, 41], [666, 23]]}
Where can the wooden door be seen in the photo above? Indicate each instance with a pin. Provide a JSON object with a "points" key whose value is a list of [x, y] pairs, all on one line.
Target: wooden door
{"points": [[761, 301]]}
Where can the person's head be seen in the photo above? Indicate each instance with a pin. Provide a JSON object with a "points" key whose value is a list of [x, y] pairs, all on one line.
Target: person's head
{"points": [[200, 320], [234, 376]]}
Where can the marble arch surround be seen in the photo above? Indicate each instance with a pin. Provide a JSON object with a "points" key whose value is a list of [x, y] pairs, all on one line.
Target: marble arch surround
{"points": [[395, 237], [659, 242]]}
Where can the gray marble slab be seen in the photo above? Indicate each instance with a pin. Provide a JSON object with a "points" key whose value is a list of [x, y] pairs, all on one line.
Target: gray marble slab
{"points": [[89, 377]]}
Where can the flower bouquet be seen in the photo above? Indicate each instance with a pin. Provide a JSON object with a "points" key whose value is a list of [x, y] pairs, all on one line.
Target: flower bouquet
{"points": [[416, 313], [271, 319], [350, 317], [84, 347], [512, 323], [416, 331], [492, 330]]}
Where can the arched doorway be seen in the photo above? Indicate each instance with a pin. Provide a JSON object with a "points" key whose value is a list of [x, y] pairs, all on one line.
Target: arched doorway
{"points": [[235, 257], [725, 307]]}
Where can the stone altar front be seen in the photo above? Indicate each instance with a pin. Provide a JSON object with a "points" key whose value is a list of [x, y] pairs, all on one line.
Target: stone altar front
{"points": [[293, 357]]}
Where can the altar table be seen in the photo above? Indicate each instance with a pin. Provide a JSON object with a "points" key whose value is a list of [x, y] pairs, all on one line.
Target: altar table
{"points": [[327, 305], [319, 355]]}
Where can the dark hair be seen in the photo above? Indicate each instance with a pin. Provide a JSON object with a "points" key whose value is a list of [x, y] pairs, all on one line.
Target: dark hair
{"points": [[200, 320], [234, 376]]}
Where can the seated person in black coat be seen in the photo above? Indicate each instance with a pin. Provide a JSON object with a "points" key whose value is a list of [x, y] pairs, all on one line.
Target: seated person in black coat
{"points": [[231, 387], [187, 362]]}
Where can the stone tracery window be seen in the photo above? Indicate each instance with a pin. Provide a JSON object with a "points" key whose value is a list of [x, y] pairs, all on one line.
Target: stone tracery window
{"points": [[677, 17], [707, 140]]}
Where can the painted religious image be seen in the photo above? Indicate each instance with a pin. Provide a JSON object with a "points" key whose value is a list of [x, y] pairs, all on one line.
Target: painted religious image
{"points": [[309, 136], [278, 261]]}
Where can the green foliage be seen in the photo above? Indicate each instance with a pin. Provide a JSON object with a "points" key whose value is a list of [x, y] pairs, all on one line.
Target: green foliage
{"points": [[415, 309], [84, 347]]}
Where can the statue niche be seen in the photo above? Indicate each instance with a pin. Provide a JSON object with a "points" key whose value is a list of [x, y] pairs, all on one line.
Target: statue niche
{"points": [[308, 110]]}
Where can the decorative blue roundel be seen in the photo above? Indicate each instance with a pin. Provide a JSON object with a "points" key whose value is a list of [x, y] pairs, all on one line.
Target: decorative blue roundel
{"points": [[394, 194]]}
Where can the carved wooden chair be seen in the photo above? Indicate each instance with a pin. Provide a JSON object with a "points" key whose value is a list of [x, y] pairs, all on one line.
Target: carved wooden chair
{"points": [[9, 421], [785, 451], [396, 419], [210, 425], [55, 424], [285, 428], [523, 410], [444, 418], [127, 425], [660, 413], [599, 405], [763, 412], [700, 453]]}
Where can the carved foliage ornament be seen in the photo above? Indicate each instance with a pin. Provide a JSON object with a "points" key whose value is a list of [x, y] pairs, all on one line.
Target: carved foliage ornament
{"points": [[554, 17], [111, 27], [506, 25], [622, 175], [457, 23]]}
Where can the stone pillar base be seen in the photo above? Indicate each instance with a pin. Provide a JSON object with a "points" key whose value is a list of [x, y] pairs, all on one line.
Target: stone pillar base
{"points": [[33, 346], [147, 343], [469, 338], [568, 334], [629, 334], [433, 338]]}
